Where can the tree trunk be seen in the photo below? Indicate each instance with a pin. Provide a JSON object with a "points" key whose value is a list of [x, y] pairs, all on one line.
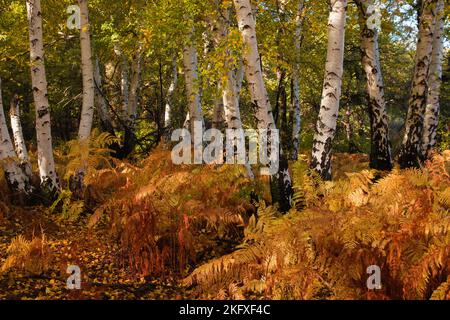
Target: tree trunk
{"points": [[124, 81], [46, 161], [259, 96], [192, 85], [136, 73], [170, 95], [87, 112], [434, 85], [19, 141], [411, 148], [136, 69], [329, 109], [296, 121], [100, 102], [17, 180], [380, 154], [229, 101]]}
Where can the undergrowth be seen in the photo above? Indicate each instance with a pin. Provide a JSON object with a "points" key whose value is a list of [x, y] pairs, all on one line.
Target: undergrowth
{"points": [[400, 223]]}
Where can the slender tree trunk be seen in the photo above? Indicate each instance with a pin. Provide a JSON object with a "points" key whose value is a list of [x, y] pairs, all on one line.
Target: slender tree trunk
{"points": [[411, 148], [380, 154], [136, 74], [192, 85], [230, 87], [19, 141], [100, 102], [46, 162], [17, 180], [240, 74], [329, 109], [124, 81], [170, 94], [87, 112], [434, 85], [259, 96], [296, 121], [136, 69]]}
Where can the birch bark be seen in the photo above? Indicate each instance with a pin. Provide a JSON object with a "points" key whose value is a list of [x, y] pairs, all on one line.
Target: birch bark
{"points": [[332, 86], [296, 121], [434, 85], [19, 141], [259, 96], [87, 112], [46, 161], [380, 154], [15, 177], [410, 152]]}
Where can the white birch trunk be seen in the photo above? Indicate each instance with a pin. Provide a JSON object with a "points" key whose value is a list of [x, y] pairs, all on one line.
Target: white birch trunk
{"points": [[380, 154], [258, 92], [410, 152], [192, 85], [16, 178], [296, 121], [170, 94], [87, 112], [124, 80], [329, 107], [100, 101], [230, 95], [136, 69], [46, 161], [19, 141], [434, 85]]}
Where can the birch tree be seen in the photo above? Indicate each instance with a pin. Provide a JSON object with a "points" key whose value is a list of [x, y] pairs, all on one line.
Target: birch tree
{"points": [[100, 101], [331, 92], [380, 154], [192, 85], [434, 84], [411, 148], [87, 68], [170, 94], [132, 105], [259, 96], [296, 121], [17, 180], [46, 161], [19, 141], [230, 87], [136, 75]]}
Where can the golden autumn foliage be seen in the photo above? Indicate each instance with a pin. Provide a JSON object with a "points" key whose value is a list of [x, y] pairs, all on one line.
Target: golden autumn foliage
{"points": [[211, 232], [400, 222]]}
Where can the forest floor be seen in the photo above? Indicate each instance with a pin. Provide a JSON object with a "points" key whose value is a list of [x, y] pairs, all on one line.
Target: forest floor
{"points": [[73, 243]]}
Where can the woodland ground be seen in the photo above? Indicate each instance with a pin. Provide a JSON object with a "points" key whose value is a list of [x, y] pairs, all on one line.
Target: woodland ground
{"points": [[145, 229]]}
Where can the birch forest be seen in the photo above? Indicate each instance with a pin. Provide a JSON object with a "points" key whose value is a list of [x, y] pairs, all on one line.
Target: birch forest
{"points": [[224, 150]]}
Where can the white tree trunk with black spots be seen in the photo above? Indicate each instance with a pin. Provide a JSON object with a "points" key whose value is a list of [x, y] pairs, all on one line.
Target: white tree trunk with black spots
{"points": [[331, 92], [170, 94], [230, 88], [259, 96], [380, 154], [410, 152], [124, 80], [87, 68], [17, 180], [46, 161], [296, 121], [19, 141], [100, 101], [192, 85], [434, 85], [136, 74]]}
